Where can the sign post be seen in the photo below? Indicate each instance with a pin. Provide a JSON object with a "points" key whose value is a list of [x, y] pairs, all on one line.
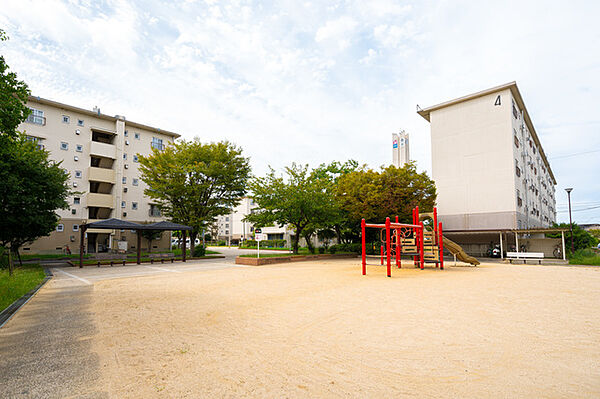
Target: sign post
{"points": [[259, 237]]}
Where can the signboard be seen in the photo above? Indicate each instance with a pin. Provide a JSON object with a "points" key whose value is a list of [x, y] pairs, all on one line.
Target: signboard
{"points": [[395, 143], [260, 237]]}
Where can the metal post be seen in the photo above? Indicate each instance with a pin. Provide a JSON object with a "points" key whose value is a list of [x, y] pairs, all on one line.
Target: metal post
{"points": [[562, 236], [441, 238], [501, 247], [184, 249], [388, 247], [82, 230], [435, 225], [139, 246], [517, 242], [398, 259], [381, 254], [422, 254], [568, 190], [364, 249]]}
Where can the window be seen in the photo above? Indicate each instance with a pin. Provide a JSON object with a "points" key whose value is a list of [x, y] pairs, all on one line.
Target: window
{"points": [[227, 218], [135, 182], [516, 141], [64, 146], [515, 113], [66, 119], [124, 214], [60, 227], [79, 148], [135, 158], [78, 174], [124, 156], [154, 210], [75, 227], [157, 143], [226, 225], [124, 180], [134, 205], [73, 211], [126, 133], [137, 136], [36, 117], [77, 200], [79, 122], [227, 232], [518, 171], [123, 204]]}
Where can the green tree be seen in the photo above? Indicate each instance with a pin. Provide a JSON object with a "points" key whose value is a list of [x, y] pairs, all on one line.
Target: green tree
{"points": [[32, 188], [301, 200], [151, 235], [193, 183], [391, 192], [582, 239], [13, 97]]}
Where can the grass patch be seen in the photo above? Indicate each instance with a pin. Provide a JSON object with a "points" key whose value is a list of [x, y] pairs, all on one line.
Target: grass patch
{"points": [[585, 257], [23, 280]]}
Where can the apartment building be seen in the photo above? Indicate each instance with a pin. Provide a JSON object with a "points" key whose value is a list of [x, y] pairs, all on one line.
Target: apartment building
{"points": [[400, 149], [101, 154], [488, 163]]}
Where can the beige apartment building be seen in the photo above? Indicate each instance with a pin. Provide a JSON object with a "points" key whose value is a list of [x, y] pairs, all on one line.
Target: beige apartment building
{"points": [[101, 154], [488, 163]]}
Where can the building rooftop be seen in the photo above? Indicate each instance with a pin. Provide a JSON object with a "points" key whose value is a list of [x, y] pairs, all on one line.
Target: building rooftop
{"points": [[426, 112], [100, 115]]}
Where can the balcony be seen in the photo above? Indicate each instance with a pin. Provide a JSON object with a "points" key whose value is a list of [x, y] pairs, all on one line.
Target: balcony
{"points": [[101, 175], [103, 150], [100, 200]]}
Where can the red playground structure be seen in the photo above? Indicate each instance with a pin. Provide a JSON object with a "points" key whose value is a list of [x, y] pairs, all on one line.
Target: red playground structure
{"points": [[423, 242]]}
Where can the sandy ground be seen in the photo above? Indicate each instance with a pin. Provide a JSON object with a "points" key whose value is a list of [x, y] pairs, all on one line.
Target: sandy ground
{"points": [[323, 330]]}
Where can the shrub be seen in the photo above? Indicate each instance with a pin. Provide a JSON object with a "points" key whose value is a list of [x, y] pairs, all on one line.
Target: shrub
{"points": [[199, 251], [332, 249], [321, 250], [222, 243]]}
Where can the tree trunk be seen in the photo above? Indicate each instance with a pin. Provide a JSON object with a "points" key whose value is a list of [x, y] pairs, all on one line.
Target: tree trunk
{"points": [[10, 264], [309, 244], [149, 245], [19, 256], [295, 240], [192, 242]]}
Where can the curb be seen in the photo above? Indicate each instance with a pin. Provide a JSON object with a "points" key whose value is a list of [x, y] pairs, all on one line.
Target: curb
{"points": [[288, 259], [14, 307]]}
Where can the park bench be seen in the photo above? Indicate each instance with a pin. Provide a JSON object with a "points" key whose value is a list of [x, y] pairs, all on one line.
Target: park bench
{"points": [[162, 257], [539, 256], [112, 257]]}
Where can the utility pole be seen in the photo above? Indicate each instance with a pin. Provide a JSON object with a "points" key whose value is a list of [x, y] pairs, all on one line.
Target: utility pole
{"points": [[568, 190]]}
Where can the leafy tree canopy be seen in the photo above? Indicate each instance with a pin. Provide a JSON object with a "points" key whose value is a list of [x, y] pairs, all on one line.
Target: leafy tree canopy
{"points": [[194, 182], [13, 96], [391, 192], [582, 239]]}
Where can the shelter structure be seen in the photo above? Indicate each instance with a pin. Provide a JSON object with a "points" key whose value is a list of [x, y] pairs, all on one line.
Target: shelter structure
{"points": [[118, 224]]}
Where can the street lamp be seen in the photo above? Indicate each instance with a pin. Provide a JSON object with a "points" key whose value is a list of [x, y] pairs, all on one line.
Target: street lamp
{"points": [[568, 190]]}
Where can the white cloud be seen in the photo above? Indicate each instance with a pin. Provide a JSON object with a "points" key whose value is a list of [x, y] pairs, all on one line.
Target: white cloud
{"points": [[339, 30]]}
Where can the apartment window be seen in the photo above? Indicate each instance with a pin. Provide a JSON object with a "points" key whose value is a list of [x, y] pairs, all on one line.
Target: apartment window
{"points": [[135, 182], [154, 210], [124, 156], [134, 205], [135, 158], [77, 200], [66, 119], [79, 148], [79, 122], [75, 227], [534, 150], [227, 218], [126, 133], [124, 214], [516, 141], [157, 143], [78, 174], [36, 117], [64, 146], [227, 232], [124, 180], [73, 211], [123, 204], [226, 225], [515, 113], [60, 227], [137, 136], [518, 171]]}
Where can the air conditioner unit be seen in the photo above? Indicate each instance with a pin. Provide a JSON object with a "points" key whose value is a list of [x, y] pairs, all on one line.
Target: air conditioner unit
{"points": [[126, 142], [77, 132], [126, 166], [125, 189], [76, 158], [74, 184]]}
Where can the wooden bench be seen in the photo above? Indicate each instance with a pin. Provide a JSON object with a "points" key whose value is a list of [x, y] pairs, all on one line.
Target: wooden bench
{"points": [[539, 256], [162, 257], [112, 257]]}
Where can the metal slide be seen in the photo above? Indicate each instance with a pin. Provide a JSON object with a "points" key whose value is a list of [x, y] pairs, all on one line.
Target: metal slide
{"points": [[457, 250]]}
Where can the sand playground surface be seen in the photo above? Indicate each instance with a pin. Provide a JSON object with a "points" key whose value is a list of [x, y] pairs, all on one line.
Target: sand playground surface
{"points": [[320, 329]]}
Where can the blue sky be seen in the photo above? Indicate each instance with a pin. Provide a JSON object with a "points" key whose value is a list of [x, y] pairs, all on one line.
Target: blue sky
{"points": [[317, 81]]}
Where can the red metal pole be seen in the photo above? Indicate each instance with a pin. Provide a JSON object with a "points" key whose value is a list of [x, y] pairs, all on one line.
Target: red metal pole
{"points": [[435, 225], [382, 255], [441, 248], [388, 247], [398, 261], [414, 231], [364, 248], [421, 250]]}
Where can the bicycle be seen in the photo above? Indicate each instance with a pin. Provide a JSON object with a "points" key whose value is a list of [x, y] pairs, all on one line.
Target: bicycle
{"points": [[557, 251]]}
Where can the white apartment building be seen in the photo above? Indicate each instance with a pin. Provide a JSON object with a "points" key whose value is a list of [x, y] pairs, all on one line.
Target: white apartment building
{"points": [[101, 154], [488, 163], [400, 149]]}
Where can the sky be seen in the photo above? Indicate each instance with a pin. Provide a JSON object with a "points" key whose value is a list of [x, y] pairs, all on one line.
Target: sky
{"points": [[317, 81]]}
